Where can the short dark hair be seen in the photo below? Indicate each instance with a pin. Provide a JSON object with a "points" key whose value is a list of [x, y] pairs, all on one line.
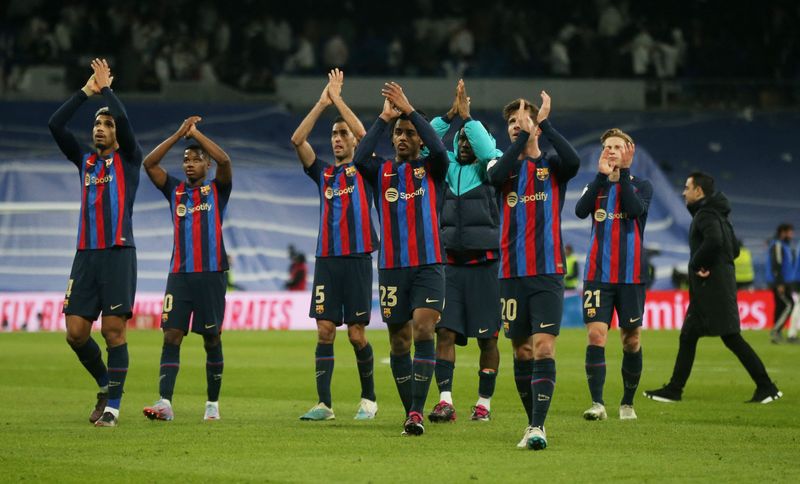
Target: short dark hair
{"points": [[783, 228], [704, 181], [339, 119], [196, 147], [513, 107], [104, 111], [403, 117]]}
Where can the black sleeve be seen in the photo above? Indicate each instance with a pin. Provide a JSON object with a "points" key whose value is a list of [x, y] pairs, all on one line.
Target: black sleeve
{"points": [[315, 170], [705, 255], [363, 158], [497, 173], [437, 153], [65, 140], [125, 137], [169, 186], [568, 161], [585, 205], [634, 203], [224, 190]]}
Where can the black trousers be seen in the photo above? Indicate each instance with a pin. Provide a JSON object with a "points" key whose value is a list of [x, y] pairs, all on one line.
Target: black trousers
{"points": [[783, 307]]}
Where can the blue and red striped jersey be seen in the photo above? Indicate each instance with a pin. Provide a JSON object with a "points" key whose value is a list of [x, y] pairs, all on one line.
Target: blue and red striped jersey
{"points": [[197, 214], [408, 197], [619, 214], [531, 197], [345, 203], [109, 188], [109, 183]]}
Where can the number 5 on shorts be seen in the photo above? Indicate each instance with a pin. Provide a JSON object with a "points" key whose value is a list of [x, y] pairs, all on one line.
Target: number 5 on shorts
{"points": [[319, 294]]}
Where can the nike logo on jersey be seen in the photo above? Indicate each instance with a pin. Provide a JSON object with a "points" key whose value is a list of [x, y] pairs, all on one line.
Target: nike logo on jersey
{"points": [[483, 330], [329, 176], [513, 176], [360, 313], [116, 306], [602, 196], [390, 174], [427, 300], [542, 325], [179, 193], [633, 320]]}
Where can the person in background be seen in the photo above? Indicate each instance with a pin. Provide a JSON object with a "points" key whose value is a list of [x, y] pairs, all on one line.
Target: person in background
{"points": [[571, 277], [744, 267], [297, 271], [780, 272]]}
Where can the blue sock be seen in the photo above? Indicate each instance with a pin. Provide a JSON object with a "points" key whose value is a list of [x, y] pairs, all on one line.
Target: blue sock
{"points": [[424, 366], [214, 366], [170, 365], [91, 357], [444, 375], [117, 371], [324, 366], [596, 371], [523, 371], [366, 372], [486, 382], [542, 385], [631, 372], [401, 371]]}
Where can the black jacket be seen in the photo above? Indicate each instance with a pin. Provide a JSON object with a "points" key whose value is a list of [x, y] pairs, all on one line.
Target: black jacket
{"points": [[713, 310], [471, 221]]}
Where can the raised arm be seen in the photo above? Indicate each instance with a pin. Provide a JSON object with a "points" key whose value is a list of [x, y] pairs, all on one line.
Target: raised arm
{"points": [[305, 153], [568, 161], [497, 172], [335, 83], [224, 174], [125, 137], [152, 162], [65, 140]]}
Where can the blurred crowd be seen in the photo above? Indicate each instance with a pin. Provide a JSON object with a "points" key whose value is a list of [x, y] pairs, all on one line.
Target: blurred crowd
{"points": [[246, 43]]}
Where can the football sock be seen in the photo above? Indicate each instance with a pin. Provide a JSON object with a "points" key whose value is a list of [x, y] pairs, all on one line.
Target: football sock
{"points": [[170, 365], [631, 372], [364, 360], [596, 371], [324, 366], [214, 366], [401, 371], [444, 375], [424, 365], [542, 385], [487, 378], [523, 371], [91, 357], [117, 371]]}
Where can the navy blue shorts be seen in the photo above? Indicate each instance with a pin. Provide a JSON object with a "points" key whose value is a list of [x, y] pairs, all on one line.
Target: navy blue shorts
{"points": [[601, 299], [405, 289], [342, 290], [530, 305], [102, 280], [199, 296], [473, 301]]}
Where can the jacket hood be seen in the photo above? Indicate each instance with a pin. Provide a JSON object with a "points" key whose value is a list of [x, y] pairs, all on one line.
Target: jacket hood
{"points": [[717, 202]]}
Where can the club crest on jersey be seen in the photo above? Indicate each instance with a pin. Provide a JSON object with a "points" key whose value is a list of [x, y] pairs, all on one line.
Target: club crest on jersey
{"points": [[391, 195], [591, 312], [419, 172], [600, 215], [180, 210], [512, 199], [350, 171], [205, 190], [543, 173], [109, 161], [320, 308]]}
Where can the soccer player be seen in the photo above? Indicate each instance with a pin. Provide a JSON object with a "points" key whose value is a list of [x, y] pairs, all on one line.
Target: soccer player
{"points": [[615, 268], [343, 272], [532, 186], [103, 275], [408, 193], [780, 268], [197, 282], [712, 310], [470, 231]]}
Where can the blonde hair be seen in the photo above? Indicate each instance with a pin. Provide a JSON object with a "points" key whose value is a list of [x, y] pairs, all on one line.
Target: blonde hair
{"points": [[618, 133]]}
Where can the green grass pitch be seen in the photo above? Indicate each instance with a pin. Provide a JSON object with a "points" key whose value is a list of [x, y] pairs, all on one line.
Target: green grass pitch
{"points": [[269, 382]]}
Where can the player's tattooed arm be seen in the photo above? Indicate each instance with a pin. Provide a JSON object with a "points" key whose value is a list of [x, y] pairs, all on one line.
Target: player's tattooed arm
{"points": [[224, 175]]}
